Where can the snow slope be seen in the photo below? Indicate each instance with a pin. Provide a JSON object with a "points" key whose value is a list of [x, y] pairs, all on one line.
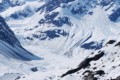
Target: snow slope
{"points": [[55, 65], [78, 29], [10, 46], [13, 57], [69, 36]]}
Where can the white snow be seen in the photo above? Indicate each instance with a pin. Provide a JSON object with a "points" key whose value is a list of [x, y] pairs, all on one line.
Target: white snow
{"points": [[55, 52]]}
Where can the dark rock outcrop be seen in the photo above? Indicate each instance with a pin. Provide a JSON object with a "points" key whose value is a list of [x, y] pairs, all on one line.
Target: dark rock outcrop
{"points": [[85, 63], [91, 74], [34, 69], [117, 78], [110, 42], [99, 72], [118, 44]]}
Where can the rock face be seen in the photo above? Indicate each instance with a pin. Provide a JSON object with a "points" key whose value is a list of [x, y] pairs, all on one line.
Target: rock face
{"points": [[89, 69], [85, 63], [6, 34], [10, 46], [5, 4]]}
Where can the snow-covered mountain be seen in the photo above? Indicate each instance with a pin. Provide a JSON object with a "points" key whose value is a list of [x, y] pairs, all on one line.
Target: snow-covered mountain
{"points": [[48, 23], [12, 54], [10, 46], [78, 29], [102, 64]]}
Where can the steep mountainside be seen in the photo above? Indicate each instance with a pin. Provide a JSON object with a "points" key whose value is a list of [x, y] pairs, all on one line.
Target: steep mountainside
{"points": [[71, 23], [10, 46], [67, 32]]}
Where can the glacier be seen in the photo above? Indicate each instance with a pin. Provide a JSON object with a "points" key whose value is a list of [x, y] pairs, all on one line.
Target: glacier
{"points": [[65, 34]]}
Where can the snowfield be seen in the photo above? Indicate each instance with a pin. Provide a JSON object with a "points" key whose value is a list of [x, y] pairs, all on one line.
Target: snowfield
{"points": [[66, 40]]}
